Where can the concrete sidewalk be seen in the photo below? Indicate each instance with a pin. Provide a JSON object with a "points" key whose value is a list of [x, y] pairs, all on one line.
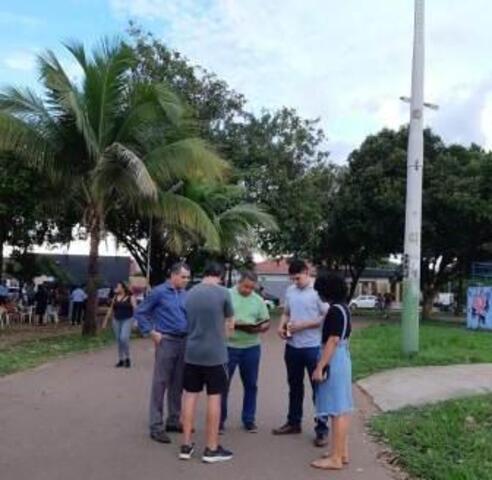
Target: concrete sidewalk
{"points": [[81, 419], [403, 387]]}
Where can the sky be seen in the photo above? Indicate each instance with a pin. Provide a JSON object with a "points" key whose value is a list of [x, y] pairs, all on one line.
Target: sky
{"points": [[345, 62]]}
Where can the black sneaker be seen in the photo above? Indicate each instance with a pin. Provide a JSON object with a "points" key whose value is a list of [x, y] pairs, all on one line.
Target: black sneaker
{"points": [[321, 441], [120, 364], [251, 428], [161, 437], [174, 429], [128, 363], [216, 456], [186, 451]]}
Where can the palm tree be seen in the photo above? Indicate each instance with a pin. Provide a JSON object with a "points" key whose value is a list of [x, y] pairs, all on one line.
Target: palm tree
{"points": [[101, 136], [237, 223]]}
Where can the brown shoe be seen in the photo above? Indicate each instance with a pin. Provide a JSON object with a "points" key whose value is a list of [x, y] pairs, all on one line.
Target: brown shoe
{"points": [[287, 430]]}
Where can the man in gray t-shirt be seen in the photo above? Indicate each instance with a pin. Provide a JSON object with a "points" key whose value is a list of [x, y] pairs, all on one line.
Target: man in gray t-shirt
{"points": [[207, 307], [210, 320]]}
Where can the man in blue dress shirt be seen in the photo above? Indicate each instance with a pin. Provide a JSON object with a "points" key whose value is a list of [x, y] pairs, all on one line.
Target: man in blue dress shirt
{"points": [[162, 316]]}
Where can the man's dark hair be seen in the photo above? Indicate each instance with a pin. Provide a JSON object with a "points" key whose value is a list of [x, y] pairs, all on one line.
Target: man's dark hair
{"points": [[248, 275], [331, 288], [213, 269], [297, 266], [177, 267]]}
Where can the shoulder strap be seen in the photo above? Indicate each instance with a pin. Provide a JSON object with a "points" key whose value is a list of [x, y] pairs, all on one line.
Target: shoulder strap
{"points": [[345, 319]]}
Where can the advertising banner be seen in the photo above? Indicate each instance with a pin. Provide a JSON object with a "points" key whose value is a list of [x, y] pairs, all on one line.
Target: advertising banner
{"points": [[479, 308]]}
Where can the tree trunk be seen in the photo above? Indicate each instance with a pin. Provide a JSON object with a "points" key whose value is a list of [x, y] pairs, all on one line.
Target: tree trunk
{"points": [[355, 274], [161, 260], [90, 321], [458, 301], [428, 304]]}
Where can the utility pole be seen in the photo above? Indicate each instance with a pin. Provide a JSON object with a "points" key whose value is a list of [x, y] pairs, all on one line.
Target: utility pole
{"points": [[413, 217]]}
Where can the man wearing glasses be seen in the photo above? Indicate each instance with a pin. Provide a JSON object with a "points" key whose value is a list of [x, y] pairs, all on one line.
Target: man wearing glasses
{"points": [[300, 328], [162, 316]]}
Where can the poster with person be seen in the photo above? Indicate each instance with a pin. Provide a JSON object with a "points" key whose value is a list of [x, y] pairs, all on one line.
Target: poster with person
{"points": [[479, 311]]}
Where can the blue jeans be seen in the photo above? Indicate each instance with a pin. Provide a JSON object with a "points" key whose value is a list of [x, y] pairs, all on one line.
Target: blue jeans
{"points": [[122, 330], [248, 361], [298, 361]]}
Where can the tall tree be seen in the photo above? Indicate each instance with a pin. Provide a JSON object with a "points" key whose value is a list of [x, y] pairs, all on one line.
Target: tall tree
{"points": [[367, 218], [95, 134], [280, 160], [278, 156]]}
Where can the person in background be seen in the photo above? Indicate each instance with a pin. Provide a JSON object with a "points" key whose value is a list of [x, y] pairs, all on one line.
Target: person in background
{"points": [[251, 320], [41, 303], [121, 310], [300, 327], [162, 317], [52, 308], [333, 373], [64, 301], [210, 317], [78, 299], [4, 293]]}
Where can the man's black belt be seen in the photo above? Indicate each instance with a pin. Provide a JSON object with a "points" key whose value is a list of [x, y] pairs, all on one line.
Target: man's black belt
{"points": [[174, 335]]}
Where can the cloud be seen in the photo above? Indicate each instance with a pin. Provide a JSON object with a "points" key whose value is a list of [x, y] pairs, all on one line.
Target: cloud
{"points": [[9, 18], [346, 62], [24, 61]]}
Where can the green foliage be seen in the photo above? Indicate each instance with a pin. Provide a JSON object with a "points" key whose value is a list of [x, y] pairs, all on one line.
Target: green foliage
{"points": [[111, 139], [280, 160], [367, 218], [277, 156], [448, 441], [27, 207], [378, 348]]}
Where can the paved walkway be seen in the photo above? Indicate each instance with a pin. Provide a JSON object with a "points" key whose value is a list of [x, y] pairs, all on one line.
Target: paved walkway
{"points": [[404, 387], [80, 419]]}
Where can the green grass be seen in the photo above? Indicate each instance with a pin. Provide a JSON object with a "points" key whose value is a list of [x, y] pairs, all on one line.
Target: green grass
{"points": [[448, 441], [377, 347], [32, 353]]}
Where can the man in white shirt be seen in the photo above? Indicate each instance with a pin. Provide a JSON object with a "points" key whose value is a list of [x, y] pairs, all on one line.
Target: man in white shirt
{"points": [[300, 328], [78, 299]]}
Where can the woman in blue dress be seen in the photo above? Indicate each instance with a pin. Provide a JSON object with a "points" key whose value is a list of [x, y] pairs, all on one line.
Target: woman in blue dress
{"points": [[333, 373]]}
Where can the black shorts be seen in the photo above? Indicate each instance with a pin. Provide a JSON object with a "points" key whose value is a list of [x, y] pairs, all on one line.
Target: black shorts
{"points": [[196, 377]]}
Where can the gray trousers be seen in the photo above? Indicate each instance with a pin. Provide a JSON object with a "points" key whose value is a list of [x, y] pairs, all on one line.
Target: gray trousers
{"points": [[168, 376]]}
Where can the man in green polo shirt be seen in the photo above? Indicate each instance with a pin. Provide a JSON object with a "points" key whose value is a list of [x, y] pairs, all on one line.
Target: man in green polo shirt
{"points": [[251, 320]]}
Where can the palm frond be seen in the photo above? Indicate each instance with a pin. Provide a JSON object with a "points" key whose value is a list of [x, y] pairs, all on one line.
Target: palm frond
{"points": [[188, 159], [238, 223], [170, 104], [25, 141], [24, 104], [181, 213], [123, 172], [65, 100], [77, 49], [106, 79]]}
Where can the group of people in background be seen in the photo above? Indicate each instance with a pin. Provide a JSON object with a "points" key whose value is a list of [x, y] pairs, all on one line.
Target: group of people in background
{"points": [[202, 336], [48, 303]]}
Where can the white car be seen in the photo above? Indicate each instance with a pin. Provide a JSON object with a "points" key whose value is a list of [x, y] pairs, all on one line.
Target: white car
{"points": [[364, 301]]}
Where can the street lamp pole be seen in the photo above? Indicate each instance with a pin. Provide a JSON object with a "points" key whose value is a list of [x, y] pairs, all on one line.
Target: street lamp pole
{"points": [[413, 217]]}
